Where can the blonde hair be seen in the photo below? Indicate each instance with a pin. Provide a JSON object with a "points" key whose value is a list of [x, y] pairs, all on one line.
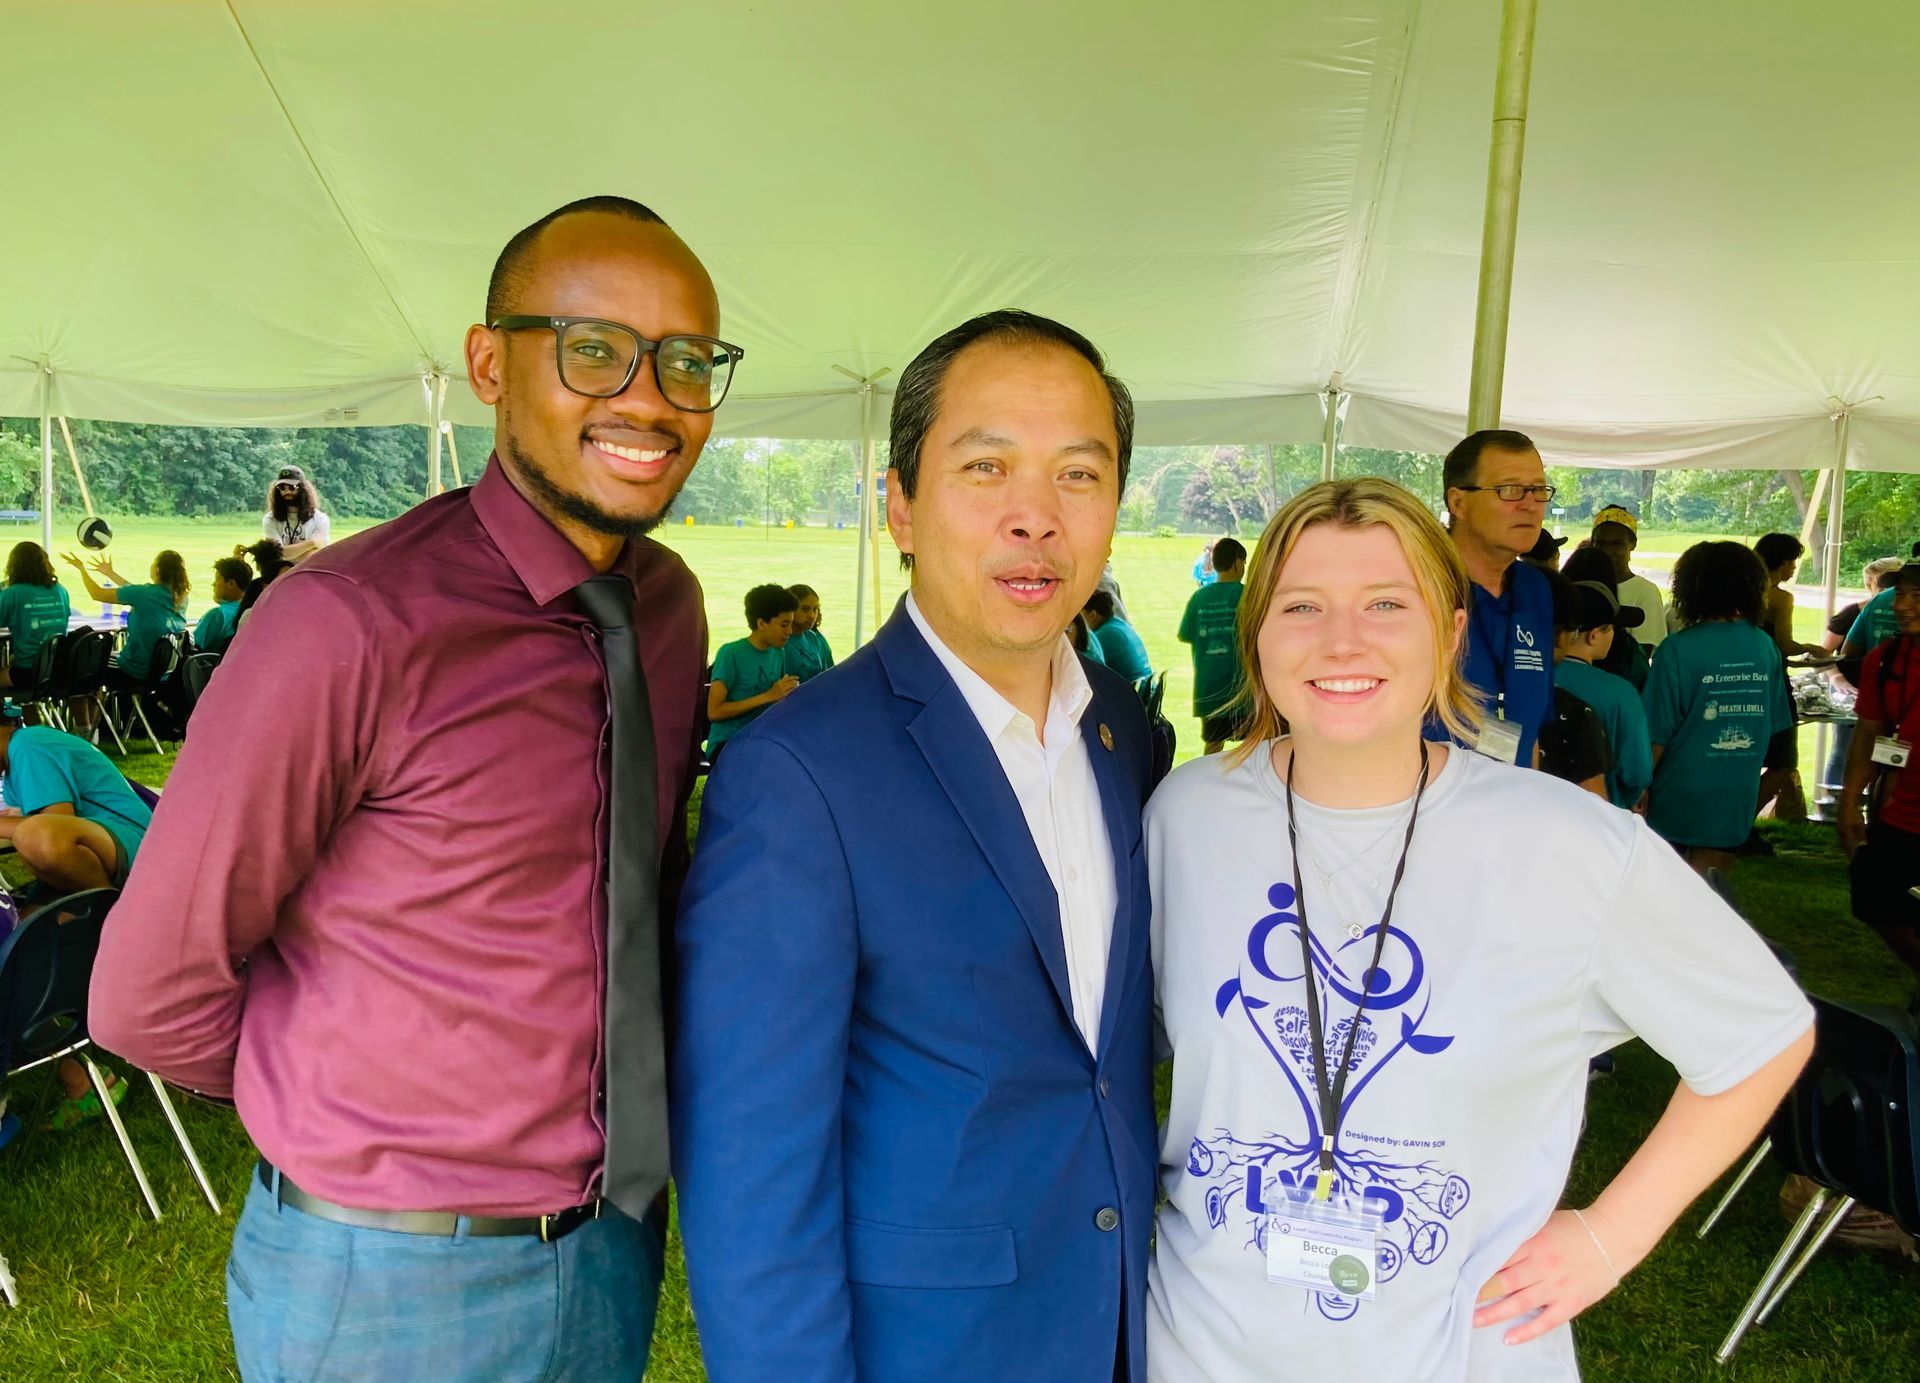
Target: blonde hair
{"points": [[1438, 574]]}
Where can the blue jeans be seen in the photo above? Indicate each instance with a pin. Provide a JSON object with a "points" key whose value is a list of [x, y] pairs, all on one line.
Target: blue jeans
{"points": [[312, 1300]]}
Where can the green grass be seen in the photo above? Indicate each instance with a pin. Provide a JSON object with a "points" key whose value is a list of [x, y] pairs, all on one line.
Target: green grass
{"points": [[111, 1295]]}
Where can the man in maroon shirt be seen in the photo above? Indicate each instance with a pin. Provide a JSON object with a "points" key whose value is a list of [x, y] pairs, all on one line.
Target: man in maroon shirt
{"points": [[373, 908]]}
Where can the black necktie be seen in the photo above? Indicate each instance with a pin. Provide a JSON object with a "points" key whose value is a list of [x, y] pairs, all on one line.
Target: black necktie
{"points": [[635, 1064]]}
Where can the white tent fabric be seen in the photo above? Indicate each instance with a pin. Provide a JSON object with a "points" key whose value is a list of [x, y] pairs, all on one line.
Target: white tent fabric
{"points": [[281, 213]]}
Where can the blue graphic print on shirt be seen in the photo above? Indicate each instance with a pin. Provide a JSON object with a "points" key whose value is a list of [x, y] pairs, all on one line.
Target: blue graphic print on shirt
{"points": [[1251, 1177]]}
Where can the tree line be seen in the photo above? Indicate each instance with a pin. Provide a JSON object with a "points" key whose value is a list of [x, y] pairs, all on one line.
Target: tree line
{"points": [[377, 472]]}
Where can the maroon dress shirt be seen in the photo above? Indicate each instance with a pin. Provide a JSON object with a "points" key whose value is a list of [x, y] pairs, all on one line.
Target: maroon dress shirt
{"points": [[372, 904]]}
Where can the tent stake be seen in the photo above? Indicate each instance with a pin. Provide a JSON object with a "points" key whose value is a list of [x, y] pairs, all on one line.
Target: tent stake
{"points": [[1503, 213]]}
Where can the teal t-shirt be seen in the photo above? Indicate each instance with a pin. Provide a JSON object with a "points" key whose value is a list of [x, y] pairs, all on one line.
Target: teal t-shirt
{"points": [[215, 630], [48, 766], [1714, 698], [1092, 651], [1617, 703], [807, 655], [34, 614], [151, 616], [746, 671], [1210, 625], [1122, 649], [1875, 623]]}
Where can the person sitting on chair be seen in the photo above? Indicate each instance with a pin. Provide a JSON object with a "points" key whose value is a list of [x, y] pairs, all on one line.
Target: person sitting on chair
{"points": [[294, 518], [77, 824], [1121, 646], [155, 609], [34, 606], [217, 627]]}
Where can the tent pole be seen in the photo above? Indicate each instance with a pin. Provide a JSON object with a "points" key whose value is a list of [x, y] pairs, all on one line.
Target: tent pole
{"points": [[79, 476], [866, 516], [1837, 507], [1330, 429], [46, 456], [453, 451], [1503, 212], [435, 386]]}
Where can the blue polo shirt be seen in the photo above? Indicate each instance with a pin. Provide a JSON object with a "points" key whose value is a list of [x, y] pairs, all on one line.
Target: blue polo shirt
{"points": [[1509, 654]]}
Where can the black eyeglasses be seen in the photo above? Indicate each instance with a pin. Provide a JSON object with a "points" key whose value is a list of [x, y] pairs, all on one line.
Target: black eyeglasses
{"points": [[598, 359], [1513, 494]]}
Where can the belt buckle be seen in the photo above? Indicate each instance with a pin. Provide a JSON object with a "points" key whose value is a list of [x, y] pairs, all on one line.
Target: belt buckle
{"points": [[546, 1223]]}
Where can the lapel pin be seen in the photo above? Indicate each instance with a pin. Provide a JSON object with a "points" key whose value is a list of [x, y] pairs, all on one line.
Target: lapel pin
{"points": [[1106, 736]]}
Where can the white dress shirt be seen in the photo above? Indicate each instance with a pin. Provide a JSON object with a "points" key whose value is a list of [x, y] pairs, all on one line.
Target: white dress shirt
{"points": [[1054, 783]]}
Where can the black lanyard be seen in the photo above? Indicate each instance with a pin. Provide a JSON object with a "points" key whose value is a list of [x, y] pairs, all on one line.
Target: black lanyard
{"points": [[1330, 1092]]}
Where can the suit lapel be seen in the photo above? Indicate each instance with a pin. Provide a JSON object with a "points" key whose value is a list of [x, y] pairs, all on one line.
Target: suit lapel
{"points": [[1115, 807], [957, 751]]}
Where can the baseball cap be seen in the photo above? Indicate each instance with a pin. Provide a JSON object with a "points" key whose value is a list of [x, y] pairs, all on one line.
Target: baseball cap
{"points": [[292, 473], [1620, 514], [1546, 547]]}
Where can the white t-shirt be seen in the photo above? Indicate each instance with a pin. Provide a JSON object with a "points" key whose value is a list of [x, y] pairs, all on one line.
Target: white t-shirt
{"points": [[1537, 926], [1642, 594], [290, 530]]}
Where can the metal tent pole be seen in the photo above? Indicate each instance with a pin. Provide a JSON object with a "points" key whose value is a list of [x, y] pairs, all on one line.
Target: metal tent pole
{"points": [[1837, 506], [435, 387], [1503, 212], [870, 517], [1330, 428], [46, 456]]}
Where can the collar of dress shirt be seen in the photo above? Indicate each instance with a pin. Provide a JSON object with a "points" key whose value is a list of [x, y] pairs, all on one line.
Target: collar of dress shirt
{"points": [[547, 564], [1071, 691]]}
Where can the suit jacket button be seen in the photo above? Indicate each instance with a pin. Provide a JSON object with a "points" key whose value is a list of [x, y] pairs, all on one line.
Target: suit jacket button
{"points": [[1106, 1087], [1107, 1220]]}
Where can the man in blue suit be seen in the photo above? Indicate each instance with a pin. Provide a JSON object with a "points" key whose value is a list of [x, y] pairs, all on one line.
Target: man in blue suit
{"points": [[913, 1102]]}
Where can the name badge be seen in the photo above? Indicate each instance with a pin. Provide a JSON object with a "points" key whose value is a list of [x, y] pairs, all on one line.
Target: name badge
{"points": [[1327, 1246], [1499, 739], [1891, 751]]}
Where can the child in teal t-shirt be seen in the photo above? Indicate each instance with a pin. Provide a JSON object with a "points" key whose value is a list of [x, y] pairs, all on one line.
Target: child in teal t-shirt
{"points": [[751, 674], [34, 607], [216, 627], [1211, 626], [1120, 645], [807, 653], [1714, 699], [155, 609], [1583, 633]]}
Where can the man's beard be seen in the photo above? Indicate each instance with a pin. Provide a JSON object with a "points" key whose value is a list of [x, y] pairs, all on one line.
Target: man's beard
{"points": [[579, 508]]}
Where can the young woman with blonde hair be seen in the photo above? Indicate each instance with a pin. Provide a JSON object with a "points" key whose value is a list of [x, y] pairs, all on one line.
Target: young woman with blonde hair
{"points": [[1382, 965]]}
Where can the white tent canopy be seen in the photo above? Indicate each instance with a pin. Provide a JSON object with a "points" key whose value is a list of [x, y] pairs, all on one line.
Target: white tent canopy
{"points": [[275, 212]]}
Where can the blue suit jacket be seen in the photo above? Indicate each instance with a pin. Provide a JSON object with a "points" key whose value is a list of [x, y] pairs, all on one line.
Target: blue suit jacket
{"points": [[898, 1161]]}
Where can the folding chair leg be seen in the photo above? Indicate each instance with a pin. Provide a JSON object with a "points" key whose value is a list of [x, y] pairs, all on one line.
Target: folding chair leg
{"points": [[1739, 1182], [120, 1132], [140, 709], [100, 700], [186, 1143], [1818, 1242], [1795, 1236]]}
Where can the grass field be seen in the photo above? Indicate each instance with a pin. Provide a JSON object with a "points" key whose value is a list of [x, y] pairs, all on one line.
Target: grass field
{"points": [[111, 1295]]}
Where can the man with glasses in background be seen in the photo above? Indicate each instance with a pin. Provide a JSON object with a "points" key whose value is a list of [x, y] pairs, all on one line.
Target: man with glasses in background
{"points": [[1496, 496], [418, 941]]}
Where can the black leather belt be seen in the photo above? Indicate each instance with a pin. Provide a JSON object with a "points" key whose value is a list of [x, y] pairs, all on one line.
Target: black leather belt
{"points": [[547, 1228]]}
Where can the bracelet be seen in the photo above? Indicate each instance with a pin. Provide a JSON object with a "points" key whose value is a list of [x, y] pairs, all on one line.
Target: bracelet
{"points": [[1605, 1257]]}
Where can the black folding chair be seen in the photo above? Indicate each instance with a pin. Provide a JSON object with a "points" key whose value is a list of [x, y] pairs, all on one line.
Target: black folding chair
{"points": [[1852, 1125], [161, 666], [78, 674], [46, 965], [196, 672]]}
